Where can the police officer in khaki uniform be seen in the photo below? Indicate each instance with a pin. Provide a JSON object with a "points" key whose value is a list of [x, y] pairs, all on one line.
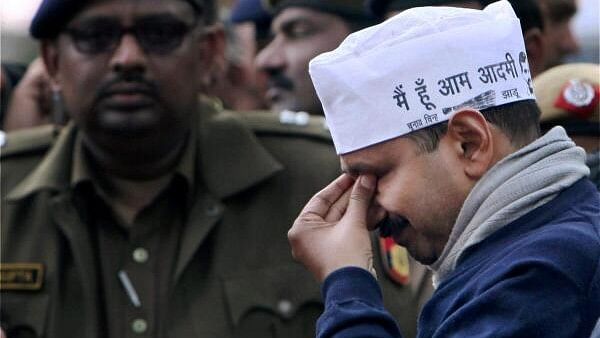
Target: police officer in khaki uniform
{"points": [[149, 215]]}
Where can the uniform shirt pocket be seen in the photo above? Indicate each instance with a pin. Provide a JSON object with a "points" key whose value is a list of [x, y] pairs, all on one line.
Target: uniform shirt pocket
{"points": [[284, 300], [24, 313]]}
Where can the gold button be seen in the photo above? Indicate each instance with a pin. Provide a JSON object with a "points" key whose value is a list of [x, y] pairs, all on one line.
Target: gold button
{"points": [[139, 326], [140, 255]]}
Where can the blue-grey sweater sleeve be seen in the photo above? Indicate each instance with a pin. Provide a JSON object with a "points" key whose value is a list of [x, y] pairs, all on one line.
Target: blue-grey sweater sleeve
{"points": [[354, 307]]}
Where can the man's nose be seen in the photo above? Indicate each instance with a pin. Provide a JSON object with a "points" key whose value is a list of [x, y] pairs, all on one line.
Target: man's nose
{"points": [[128, 56], [271, 58]]}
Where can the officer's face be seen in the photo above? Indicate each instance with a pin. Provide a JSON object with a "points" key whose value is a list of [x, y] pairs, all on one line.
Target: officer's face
{"points": [[559, 39], [299, 35], [421, 193], [131, 93]]}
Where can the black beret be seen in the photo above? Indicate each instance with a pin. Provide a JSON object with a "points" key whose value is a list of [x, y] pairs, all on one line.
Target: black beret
{"points": [[252, 11], [379, 8], [52, 16], [349, 10], [249, 11]]}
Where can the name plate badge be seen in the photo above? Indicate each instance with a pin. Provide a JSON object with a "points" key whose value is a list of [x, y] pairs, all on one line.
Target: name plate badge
{"points": [[21, 276]]}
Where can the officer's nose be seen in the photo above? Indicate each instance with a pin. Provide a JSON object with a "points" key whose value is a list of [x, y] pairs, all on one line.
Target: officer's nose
{"points": [[129, 56], [271, 58]]}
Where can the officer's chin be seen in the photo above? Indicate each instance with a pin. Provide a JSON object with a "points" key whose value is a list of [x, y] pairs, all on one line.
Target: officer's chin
{"points": [[136, 121]]}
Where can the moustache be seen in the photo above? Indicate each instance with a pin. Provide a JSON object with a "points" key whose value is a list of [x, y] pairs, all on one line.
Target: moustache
{"points": [[390, 224], [280, 81], [128, 83]]}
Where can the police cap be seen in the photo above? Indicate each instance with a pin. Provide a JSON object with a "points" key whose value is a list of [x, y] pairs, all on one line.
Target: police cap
{"points": [[249, 11], [52, 15], [569, 95], [349, 10], [252, 11], [379, 8]]}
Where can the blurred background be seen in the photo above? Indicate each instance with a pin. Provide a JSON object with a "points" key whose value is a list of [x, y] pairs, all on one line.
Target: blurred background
{"points": [[16, 46]]}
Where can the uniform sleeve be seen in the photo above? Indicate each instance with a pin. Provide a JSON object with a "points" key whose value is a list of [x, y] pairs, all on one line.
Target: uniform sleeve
{"points": [[354, 307]]}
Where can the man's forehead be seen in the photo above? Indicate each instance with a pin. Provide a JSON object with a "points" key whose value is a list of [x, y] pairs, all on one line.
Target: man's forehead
{"points": [[135, 8], [370, 159], [299, 13], [53, 15]]}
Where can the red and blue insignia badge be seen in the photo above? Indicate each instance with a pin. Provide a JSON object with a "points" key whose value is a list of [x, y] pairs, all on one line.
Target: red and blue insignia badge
{"points": [[395, 260]]}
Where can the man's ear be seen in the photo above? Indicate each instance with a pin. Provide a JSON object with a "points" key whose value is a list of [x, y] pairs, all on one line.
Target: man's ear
{"points": [[472, 139], [212, 53], [49, 52], [534, 45]]}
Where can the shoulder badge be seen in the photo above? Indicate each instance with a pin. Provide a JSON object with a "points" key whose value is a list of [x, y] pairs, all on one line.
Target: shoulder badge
{"points": [[21, 276], [286, 123], [395, 260], [27, 140]]}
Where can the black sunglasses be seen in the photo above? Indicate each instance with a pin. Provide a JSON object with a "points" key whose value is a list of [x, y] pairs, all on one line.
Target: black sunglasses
{"points": [[155, 34]]}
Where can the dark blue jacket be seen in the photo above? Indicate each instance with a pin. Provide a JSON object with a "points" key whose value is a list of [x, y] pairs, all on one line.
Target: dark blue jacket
{"points": [[539, 276]]}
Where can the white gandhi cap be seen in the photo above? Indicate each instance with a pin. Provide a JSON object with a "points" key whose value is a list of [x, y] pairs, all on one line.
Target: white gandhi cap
{"points": [[417, 68]]}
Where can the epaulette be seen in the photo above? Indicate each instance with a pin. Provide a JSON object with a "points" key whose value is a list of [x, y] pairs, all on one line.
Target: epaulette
{"points": [[286, 123], [29, 140]]}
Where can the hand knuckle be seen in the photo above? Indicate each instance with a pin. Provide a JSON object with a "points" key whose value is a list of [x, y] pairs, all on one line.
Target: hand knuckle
{"points": [[358, 198]]}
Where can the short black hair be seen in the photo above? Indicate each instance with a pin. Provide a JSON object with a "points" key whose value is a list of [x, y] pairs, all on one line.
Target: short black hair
{"points": [[519, 121], [528, 12]]}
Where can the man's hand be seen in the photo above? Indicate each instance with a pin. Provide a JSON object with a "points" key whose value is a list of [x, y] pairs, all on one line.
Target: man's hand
{"points": [[30, 104], [332, 231]]}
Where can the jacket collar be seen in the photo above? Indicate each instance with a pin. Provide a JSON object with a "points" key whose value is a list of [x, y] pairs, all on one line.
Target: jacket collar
{"points": [[230, 159], [53, 172]]}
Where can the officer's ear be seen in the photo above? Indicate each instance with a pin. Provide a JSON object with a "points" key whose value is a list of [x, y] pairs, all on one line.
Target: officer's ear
{"points": [[534, 45], [212, 51], [49, 51], [471, 139]]}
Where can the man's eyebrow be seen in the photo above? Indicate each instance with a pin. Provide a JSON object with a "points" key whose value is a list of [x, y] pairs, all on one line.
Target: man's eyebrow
{"points": [[289, 24], [357, 169]]}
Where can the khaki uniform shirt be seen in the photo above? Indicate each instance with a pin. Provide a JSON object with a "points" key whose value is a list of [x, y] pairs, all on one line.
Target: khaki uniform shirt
{"points": [[134, 255], [221, 267]]}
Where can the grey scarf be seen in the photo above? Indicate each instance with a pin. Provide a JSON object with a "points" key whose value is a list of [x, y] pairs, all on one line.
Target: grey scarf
{"points": [[519, 183]]}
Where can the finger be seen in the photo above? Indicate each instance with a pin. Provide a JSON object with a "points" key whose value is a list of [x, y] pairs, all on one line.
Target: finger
{"points": [[338, 209], [321, 203], [375, 215], [360, 199]]}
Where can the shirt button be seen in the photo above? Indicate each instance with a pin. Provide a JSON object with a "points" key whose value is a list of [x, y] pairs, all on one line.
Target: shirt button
{"points": [[213, 210], [139, 326], [285, 308], [140, 255]]}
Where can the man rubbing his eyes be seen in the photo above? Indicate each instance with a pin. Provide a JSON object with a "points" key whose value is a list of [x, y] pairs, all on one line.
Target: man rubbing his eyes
{"points": [[446, 154], [151, 214]]}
